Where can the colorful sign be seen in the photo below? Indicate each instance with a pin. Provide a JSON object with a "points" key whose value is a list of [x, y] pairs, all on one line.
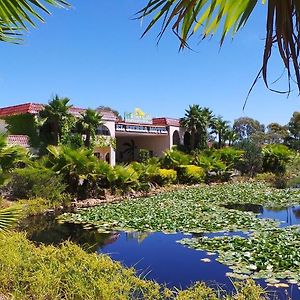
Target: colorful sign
{"points": [[138, 116]]}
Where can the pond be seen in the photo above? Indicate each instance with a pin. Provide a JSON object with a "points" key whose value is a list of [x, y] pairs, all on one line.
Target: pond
{"points": [[157, 255]]}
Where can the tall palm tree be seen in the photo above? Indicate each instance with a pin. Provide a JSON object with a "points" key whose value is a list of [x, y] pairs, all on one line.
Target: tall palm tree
{"points": [[187, 17], [197, 120], [56, 115], [220, 127], [16, 16], [88, 124]]}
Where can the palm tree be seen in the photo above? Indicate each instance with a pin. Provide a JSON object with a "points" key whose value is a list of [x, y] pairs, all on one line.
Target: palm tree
{"points": [[130, 149], [56, 115], [16, 16], [220, 127], [197, 120], [188, 17], [88, 125]]}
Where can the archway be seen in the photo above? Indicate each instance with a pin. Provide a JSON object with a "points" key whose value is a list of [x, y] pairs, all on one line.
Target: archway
{"points": [[103, 130], [176, 138]]}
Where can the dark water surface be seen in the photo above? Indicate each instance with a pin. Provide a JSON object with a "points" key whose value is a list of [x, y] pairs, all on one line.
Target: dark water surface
{"points": [[155, 255]]}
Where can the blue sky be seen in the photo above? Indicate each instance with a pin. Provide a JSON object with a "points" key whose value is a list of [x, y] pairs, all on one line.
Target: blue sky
{"points": [[93, 54]]}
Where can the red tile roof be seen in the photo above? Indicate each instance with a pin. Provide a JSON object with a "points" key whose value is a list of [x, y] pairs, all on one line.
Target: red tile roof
{"points": [[20, 140], [166, 121], [35, 108], [31, 108]]}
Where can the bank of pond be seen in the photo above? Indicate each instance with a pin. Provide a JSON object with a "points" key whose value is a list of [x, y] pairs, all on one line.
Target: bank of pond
{"points": [[214, 234]]}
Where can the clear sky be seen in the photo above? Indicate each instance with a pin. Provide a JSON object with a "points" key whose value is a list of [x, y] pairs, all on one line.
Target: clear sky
{"points": [[93, 54]]}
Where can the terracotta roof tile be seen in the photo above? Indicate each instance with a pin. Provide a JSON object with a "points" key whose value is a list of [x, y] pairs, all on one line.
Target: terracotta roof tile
{"points": [[166, 121]]}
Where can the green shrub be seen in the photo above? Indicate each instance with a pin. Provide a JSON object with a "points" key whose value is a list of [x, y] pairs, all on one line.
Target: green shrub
{"points": [[123, 178], [276, 158], [174, 158], [144, 155], [252, 160], [267, 177], [36, 182], [191, 174], [166, 176]]}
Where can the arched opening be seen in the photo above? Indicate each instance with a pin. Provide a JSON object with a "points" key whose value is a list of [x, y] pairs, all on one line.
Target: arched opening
{"points": [[103, 130], [187, 140], [176, 138], [107, 158]]}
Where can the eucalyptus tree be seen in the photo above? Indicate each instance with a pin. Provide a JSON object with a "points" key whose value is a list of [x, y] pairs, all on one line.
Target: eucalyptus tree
{"points": [[88, 123], [227, 17], [17, 16], [293, 139], [246, 127], [221, 128], [55, 120], [197, 120], [276, 133]]}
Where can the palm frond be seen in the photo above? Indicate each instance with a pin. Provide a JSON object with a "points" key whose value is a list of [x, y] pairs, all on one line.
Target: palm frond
{"points": [[186, 17], [16, 15], [8, 217]]}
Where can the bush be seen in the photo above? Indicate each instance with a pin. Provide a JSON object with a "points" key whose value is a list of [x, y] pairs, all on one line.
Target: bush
{"points": [[123, 178], [267, 177], [31, 182], [252, 160], [276, 158], [174, 158], [166, 176], [144, 155], [191, 174]]}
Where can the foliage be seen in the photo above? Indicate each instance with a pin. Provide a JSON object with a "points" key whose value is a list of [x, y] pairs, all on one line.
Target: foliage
{"points": [[87, 125], [252, 160], [166, 176], [197, 120], [191, 174], [17, 15], [245, 127], [293, 140], [267, 177], [34, 182], [144, 155], [56, 121], [175, 158], [221, 129], [276, 157], [187, 18], [11, 156], [104, 141], [194, 210], [147, 172], [76, 166], [8, 217], [276, 133], [68, 272], [268, 254], [24, 124], [123, 177]]}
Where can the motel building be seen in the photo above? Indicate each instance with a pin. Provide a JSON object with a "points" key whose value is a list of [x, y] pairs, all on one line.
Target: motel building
{"points": [[137, 131]]}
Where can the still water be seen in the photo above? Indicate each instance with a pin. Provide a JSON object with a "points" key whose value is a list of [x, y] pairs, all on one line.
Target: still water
{"points": [[155, 255]]}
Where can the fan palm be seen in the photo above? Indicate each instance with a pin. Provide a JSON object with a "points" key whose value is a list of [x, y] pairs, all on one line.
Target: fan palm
{"points": [[220, 127], [88, 125], [15, 16], [55, 115], [186, 17], [8, 217], [197, 120]]}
